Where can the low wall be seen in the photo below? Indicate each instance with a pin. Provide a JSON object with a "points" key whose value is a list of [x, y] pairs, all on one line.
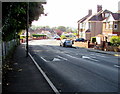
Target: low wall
{"points": [[81, 44]]}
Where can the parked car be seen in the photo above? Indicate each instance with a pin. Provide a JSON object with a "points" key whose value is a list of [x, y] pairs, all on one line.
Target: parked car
{"points": [[57, 38], [80, 40], [66, 43]]}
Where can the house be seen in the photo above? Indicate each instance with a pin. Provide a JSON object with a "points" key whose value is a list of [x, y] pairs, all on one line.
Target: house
{"points": [[111, 26], [83, 25], [92, 24]]}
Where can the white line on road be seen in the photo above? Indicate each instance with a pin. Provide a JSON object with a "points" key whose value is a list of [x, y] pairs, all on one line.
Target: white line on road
{"points": [[44, 59], [98, 55], [62, 58], [84, 57], [45, 76], [117, 66], [72, 56], [89, 58]]}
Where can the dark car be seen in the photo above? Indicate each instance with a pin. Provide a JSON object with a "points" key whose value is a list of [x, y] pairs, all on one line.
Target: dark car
{"points": [[80, 40], [66, 43]]}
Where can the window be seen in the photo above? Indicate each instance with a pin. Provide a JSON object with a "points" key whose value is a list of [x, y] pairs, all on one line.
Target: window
{"points": [[115, 26], [90, 26], [111, 25], [106, 15]]}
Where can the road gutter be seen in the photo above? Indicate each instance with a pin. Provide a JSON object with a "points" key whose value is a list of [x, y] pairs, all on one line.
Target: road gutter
{"points": [[97, 51], [44, 75]]}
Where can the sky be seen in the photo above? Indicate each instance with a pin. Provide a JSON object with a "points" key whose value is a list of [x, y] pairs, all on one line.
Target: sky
{"points": [[68, 12]]}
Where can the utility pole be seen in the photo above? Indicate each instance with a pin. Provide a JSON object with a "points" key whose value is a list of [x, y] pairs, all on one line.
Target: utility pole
{"points": [[78, 29], [27, 28]]}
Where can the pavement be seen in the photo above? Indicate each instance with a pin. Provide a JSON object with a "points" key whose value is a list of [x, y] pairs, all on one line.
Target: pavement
{"points": [[22, 76]]}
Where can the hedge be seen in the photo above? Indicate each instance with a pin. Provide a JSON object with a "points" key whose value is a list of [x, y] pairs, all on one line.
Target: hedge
{"points": [[38, 35]]}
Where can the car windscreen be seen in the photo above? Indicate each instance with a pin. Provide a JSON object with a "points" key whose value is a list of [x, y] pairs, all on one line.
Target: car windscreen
{"points": [[68, 41]]}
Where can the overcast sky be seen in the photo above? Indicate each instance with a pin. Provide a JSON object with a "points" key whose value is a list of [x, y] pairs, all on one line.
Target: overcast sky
{"points": [[68, 12]]}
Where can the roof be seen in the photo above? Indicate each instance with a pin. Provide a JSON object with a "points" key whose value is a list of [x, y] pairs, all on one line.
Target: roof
{"points": [[98, 16], [116, 16], [83, 19]]}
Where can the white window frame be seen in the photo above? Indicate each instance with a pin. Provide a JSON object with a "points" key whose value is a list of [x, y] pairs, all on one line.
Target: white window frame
{"points": [[107, 15], [116, 26]]}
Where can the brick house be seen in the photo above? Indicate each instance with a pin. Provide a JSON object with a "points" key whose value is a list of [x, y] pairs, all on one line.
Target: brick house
{"points": [[111, 25], [91, 26]]}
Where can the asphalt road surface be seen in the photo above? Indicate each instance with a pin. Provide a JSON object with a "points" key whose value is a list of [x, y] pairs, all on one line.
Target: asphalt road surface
{"points": [[76, 70]]}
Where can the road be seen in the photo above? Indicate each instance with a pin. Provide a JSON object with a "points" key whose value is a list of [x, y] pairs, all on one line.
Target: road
{"points": [[76, 70]]}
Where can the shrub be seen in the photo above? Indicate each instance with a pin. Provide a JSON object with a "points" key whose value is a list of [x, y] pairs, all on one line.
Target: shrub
{"points": [[115, 40], [63, 37], [22, 37], [38, 35]]}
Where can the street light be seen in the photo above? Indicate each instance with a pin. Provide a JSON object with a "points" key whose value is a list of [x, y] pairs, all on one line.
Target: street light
{"points": [[27, 27]]}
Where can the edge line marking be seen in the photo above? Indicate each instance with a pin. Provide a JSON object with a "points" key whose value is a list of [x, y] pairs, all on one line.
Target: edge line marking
{"points": [[44, 75]]}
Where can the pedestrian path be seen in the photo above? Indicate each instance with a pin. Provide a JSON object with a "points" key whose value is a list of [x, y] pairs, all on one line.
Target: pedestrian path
{"points": [[23, 76]]}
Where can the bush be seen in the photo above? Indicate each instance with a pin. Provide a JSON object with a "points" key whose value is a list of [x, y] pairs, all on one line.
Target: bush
{"points": [[63, 37], [115, 40], [38, 35], [22, 37]]}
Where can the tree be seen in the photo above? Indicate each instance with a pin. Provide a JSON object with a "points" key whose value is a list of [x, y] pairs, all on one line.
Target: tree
{"points": [[62, 28], [14, 17]]}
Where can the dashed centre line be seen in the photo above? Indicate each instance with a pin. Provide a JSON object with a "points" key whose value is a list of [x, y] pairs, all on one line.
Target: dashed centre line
{"points": [[117, 66]]}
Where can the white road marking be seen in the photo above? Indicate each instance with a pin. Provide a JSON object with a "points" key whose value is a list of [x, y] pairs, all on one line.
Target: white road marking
{"points": [[44, 59], [98, 55], [62, 58], [45, 76], [84, 57], [56, 59], [72, 56], [117, 66], [89, 58]]}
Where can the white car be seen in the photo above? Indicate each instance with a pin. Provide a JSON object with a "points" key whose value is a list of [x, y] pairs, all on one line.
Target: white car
{"points": [[66, 43]]}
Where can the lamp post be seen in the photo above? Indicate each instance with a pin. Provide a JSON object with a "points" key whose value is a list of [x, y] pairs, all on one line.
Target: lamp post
{"points": [[78, 29], [27, 27]]}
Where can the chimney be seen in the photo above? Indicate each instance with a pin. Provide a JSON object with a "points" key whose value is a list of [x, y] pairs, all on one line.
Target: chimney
{"points": [[90, 12], [99, 8]]}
